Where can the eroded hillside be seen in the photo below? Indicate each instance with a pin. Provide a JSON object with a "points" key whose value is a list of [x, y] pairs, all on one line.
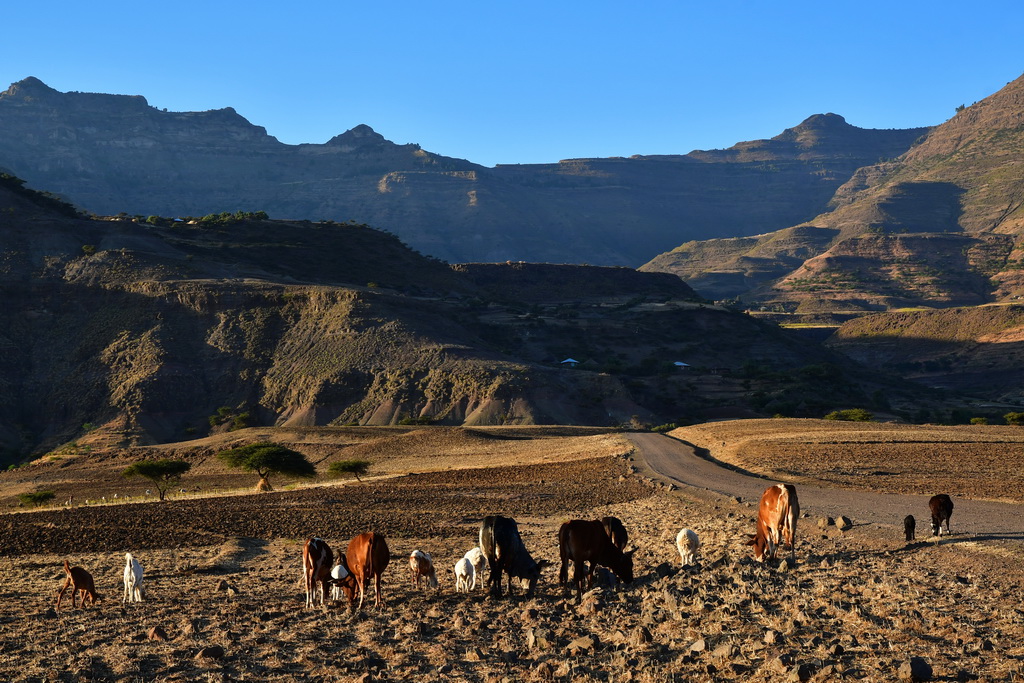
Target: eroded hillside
{"points": [[120, 331]]}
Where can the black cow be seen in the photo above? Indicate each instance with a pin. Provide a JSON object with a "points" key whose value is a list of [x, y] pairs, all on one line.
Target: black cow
{"points": [[941, 507], [909, 525], [505, 552], [581, 541]]}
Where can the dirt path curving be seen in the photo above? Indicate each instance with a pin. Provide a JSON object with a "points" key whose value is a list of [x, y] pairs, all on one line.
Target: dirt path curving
{"points": [[675, 461]]}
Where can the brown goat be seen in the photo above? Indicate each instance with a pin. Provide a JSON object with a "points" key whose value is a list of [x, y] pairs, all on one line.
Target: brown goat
{"points": [[78, 580]]}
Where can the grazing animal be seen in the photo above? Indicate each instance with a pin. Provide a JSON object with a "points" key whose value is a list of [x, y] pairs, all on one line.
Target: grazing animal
{"points": [[465, 575], [479, 561], [342, 580], [687, 543], [132, 579], [422, 566], [583, 541], [503, 547], [941, 507], [80, 581], [368, 557], [909, 525], [317, 559], [616, 531], [776, 521]]}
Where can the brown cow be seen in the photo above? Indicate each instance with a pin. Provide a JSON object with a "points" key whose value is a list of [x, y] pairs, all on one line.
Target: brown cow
{"points": [[776, 521], [941, 507], [587, 541], [80, 581], [317, 559], [368, 557], [616, 531]]}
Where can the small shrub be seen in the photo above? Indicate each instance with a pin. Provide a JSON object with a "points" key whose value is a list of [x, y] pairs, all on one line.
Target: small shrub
{"points": [[851, 415], [979, 420], [1014, 418], [36, 498], [353, 467]]}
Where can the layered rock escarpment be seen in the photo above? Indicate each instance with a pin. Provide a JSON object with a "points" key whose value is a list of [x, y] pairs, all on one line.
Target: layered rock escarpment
{"points": [[113, 153]]}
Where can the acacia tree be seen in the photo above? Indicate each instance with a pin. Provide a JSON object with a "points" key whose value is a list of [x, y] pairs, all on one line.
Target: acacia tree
{"points": [[353, 467], [266, 458], [163, 473]]}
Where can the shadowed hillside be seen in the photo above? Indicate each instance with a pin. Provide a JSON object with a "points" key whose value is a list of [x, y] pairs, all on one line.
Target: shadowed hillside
{"points": [[119, 331]]}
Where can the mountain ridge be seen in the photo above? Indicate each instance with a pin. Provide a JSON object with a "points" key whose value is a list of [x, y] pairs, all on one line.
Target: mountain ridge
{"points": [[115, 153]]}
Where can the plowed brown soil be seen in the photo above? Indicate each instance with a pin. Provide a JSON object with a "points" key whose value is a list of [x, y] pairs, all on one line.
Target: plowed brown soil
{"points": [[224, 571]]}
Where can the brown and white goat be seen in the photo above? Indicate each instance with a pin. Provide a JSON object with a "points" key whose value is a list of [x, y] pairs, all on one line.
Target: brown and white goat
{"points": [[317, 560], [78, 580], [421, 565]]}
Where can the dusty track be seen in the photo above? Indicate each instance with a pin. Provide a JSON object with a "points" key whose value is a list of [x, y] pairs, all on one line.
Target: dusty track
{"points": [[676, 461]]}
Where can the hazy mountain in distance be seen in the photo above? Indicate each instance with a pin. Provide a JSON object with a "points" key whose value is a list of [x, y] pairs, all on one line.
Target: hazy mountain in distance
{"points": [[115, 153]]}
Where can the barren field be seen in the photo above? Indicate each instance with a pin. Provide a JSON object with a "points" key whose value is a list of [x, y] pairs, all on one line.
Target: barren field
{"points": [[978, 461], [223, 582]]}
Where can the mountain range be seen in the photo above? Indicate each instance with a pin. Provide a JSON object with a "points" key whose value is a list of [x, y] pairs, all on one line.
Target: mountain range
{"points": [[941, 225], [109, 154]]}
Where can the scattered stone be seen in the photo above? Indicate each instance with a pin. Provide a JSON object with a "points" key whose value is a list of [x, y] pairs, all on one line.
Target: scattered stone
{"points": [[785, 566], [780, 664], [581, 645], [223, 585], [474, 654], [725, 651], [825, 522], [771, 637], [539, 638], [664, 569], [640, 636], [801, 673], [211, 652], [844, 523], [699, 645], [157, 633], [916, 669]]}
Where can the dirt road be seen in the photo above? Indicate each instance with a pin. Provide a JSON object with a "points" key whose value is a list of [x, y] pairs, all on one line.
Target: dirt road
{"points": [[675, 461]]}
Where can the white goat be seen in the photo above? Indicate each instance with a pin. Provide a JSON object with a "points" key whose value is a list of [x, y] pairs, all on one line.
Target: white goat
{"points": [[687, 542], [132, 579], [465, 575], [477, 558], [338, 573]]}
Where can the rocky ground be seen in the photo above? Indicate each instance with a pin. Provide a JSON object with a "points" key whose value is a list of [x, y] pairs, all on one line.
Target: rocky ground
{"points": [[223, 584]]}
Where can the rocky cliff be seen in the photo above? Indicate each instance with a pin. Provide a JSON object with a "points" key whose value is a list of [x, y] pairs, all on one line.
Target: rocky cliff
{"points": [[941, 225], [114, 153]]}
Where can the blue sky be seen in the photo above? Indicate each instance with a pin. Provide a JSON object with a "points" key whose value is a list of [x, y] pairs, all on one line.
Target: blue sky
{"points": [[528, 82]]}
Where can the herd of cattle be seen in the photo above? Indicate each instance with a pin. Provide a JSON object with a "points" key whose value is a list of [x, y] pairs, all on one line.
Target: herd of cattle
{"points": [[592, 547]]}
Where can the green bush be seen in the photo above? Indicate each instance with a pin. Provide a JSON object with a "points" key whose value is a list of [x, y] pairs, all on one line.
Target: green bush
{"points": [[979, 420], [345, 467], [163, 473], [266, 458], [36, 498], [851, 415], [1014, 418]]}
